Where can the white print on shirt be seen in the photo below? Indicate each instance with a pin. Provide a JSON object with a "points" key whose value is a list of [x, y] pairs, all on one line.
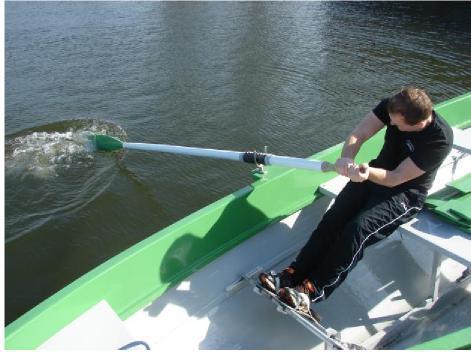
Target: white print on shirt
{"points": [[410, 145]]}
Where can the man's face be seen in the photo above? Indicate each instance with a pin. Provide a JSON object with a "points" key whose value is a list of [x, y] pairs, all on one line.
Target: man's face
{"points": [[399, 121]]}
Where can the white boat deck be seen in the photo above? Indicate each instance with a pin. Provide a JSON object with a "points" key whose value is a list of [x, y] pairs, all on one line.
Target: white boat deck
{"points": [[201, 314]]}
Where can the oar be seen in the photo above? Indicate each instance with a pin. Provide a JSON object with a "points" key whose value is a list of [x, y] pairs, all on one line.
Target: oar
{"points": [[108, 143]]}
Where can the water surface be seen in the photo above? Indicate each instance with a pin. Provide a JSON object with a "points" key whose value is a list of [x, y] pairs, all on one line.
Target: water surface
{"points": [[296, 77]]}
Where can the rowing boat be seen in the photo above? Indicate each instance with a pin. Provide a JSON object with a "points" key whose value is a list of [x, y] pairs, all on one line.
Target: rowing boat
{"points": [[190, 285]]}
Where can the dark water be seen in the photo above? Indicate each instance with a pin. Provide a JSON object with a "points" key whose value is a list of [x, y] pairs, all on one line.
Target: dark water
{"points": [[293, 76]]}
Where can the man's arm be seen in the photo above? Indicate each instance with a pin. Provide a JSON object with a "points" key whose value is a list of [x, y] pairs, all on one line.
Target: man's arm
{"points": [[367, 127], [406, 171]]}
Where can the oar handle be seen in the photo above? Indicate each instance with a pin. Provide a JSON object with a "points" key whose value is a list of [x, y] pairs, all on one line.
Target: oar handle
{"points": [[328, 167]]}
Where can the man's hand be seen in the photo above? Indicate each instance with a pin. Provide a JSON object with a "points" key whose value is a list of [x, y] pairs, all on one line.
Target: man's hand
{"points": [[342, 165], [359, 173]]}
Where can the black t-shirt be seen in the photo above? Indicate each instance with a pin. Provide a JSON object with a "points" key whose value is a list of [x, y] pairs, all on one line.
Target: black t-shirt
{"points": [[426, 148]]}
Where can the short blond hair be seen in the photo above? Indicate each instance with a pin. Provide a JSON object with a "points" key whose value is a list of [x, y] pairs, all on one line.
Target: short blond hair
{"points": [[412, 103]]}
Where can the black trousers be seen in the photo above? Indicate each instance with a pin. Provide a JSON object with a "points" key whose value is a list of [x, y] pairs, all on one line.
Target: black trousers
{"points": [[362, 214]]}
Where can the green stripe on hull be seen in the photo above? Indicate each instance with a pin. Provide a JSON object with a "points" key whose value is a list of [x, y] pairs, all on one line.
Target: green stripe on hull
{"points": [[150, 267]]}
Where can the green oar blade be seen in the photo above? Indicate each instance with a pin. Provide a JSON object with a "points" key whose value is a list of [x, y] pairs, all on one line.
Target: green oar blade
{"points": [[107, 143]]}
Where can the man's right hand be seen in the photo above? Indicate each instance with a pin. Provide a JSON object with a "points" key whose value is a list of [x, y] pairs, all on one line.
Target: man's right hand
{"points": [[342, 165]]}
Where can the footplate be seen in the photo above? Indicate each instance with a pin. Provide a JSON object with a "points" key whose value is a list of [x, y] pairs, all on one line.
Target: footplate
{"points": [[328, 335]]}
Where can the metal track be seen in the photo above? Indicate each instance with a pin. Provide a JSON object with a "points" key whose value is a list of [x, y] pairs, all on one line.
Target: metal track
{"points": [[328, 335]]}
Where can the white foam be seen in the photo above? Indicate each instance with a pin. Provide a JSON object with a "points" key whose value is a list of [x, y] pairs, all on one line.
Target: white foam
{"points": [[43, 154]]}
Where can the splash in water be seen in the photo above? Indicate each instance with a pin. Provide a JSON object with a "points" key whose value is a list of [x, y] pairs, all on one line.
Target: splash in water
{"points": [[52, 171], [48, 153], [43, 153]]}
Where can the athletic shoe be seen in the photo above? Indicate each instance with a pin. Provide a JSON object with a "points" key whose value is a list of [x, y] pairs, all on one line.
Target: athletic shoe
{"points": [[299, 297]]}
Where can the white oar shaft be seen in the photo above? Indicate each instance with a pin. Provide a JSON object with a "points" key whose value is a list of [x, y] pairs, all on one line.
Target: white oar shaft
{"points": [[176, 149], [298, 163], [267, 159]]}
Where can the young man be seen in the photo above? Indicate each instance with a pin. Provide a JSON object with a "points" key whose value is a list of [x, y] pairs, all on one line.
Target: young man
{"points": [[380, 196]]}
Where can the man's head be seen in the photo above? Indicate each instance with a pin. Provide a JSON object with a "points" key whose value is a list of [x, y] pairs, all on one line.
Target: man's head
{"points": [[410, 109]]}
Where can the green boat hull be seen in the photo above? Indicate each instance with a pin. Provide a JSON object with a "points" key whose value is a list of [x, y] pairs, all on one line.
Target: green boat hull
{"points": [[132, 279]]}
